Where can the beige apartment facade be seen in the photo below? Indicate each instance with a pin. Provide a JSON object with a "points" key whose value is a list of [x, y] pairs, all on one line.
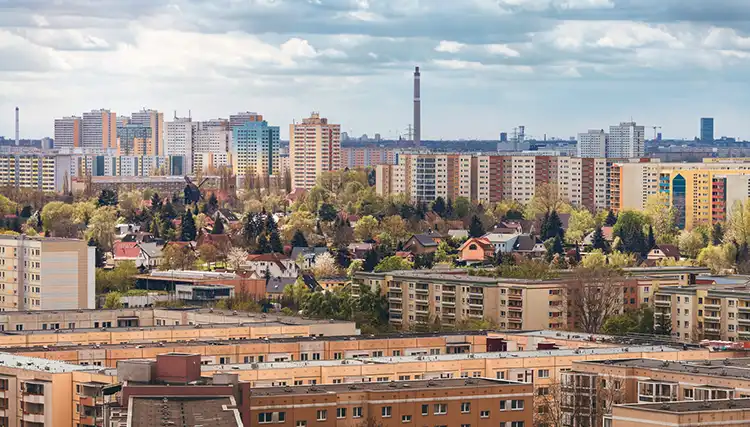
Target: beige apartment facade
{"points": [[314, 148], [38, 273], [734, 412]]}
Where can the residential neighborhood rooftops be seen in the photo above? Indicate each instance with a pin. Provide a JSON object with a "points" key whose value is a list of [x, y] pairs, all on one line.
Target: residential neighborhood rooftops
{"points": [[726, 368], [693, 406], [218, 411], [38, 364]]}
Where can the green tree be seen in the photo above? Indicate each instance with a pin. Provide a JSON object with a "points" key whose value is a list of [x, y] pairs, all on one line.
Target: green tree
{"points": [[187, 227], [113, 299], [651, 239], [476, 229], [611, 219], [297, 294], [262, 246], [100, 259], [598, 241], [156, 203], [629, 228], [366, 228], [438, 206], [619, 324], [178, 257], [662, 216], [393, 263], [717, 234], [218, 226], [327, 212], [551, 226], [213, 203], [371, 260], [101, 227], [461, 207], [718, 258], [555, 248], [107, 198], [274, 242], [58, 219], [299, 241], [424, 261], [691, 243], [581, 223]]}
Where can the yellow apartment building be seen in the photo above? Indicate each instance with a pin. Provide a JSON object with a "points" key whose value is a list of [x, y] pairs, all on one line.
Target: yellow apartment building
{"points": [[734, 412]]}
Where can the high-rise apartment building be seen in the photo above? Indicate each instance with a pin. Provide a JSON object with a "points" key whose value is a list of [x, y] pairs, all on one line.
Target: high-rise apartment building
{"points": [[592, 144], [208, 138], [255, 149], [135, 139], [99, 129], [707, 129], [361, 157], [46, 274], [239, 119], [626, 141], [154, 120], [68, 132], [178, 139], [314, 148]]}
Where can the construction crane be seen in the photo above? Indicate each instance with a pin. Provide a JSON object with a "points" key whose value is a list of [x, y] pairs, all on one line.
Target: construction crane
{"points": [[655, 128]]}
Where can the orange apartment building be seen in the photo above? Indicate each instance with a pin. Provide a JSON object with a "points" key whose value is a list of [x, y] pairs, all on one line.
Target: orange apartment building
{"points": [[442, 402], [735, 412], [647, 380]]}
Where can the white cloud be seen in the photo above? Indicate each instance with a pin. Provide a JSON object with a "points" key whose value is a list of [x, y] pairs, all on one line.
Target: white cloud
{"points": [[449, 47], [502, 49]]}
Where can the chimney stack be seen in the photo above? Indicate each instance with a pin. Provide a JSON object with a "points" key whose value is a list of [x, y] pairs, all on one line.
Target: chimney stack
{"points": [[17, 129], [417, 110]]}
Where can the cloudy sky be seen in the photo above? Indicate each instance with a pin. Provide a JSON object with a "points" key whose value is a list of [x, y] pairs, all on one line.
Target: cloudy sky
{"points": [[557, 66]]}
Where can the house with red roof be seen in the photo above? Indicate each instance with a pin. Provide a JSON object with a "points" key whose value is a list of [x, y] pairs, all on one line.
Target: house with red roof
{"points": [[476, 250]]}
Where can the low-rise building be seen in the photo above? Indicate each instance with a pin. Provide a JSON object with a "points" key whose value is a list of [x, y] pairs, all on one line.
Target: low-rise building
{"points": [[681, 414], [476, 250], [449, 402], [273, 264]]}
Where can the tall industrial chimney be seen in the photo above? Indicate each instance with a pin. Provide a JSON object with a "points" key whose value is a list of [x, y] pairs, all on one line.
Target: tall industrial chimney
{"points": [[17, 130], [417, 110]]}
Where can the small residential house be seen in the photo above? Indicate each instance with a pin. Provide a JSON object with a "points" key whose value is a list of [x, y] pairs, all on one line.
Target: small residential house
{"points": [[503, 242], [308, 256], [227, 216], [476, 250], [122, 230], [607, 232], [420, 244], [144, 255], [276, 285], [458, 234], [359, 250], [529, 245], [660, 252], [278, 265]]}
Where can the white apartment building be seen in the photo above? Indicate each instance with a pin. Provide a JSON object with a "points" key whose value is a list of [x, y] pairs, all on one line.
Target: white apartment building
{"points": [[211, 140], [38, 273], [99, 129], [178, 139], [626, 141], [592, 144], [523, 175], [43, 172], [205, 162], [68, 132], [314, 148]]}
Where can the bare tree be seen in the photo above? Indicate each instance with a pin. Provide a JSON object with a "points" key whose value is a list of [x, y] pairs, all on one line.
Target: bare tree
{"points": [[370, 422], [594, 294], [578, 400]]}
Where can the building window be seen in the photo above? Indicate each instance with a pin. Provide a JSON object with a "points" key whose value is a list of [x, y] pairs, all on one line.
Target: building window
{"points": [[465, 407], [397, 352], [484, 414], [406, 418], [301, 423], [316, 356], [303, 356], [425, 409], [340, 413], [516, 405], [322, 415], [357, 412], [338, 356], [282, 417], [265, 417], [440, 409], [544, 373], [385, 411]]}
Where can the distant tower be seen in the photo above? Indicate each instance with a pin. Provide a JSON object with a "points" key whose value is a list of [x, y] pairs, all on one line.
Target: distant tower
{"points": [[417, 110], [17, 129]]}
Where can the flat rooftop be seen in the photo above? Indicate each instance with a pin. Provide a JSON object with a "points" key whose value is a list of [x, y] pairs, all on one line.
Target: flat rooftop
{"points": [[184, 411], [383, 386], [694, 406], [439, 358], [243, 341], [39, 365], [728, 368], [147, 328]]}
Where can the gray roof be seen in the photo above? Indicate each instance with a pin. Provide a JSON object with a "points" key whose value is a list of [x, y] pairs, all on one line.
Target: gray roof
{"points": [[525, 243], [693, 406], [38, 364], [276, 285], [425, 239], [299, 250]]}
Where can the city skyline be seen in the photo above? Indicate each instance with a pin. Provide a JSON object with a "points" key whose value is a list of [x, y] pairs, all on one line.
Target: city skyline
{"points": [[489, 65]]}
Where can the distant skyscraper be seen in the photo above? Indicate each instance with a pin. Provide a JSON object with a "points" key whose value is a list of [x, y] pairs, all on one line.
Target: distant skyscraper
{"points": [[99, 129], [255, 149], [314, 148], [626, 141], [135, 139], [503, 136], [154, 120], [68, 132], [707, 129], [592, 144]]}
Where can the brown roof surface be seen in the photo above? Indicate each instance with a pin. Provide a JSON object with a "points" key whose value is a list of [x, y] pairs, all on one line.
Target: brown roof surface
{"points": [[670, 251], [126, 250], [183, 411]]}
